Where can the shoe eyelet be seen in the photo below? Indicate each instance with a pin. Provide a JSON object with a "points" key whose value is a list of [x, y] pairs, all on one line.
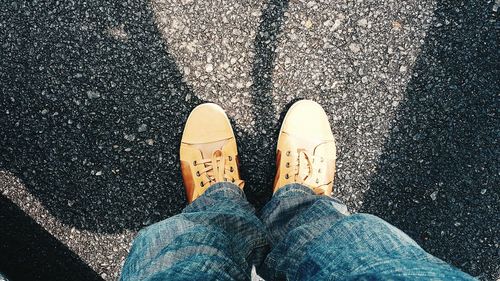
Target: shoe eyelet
{"points": [[319, 170], [287, 176], [287, 164], [232, 180], [194, 163], [231, 169], [198, 173], [202, 184], [230, 158], [317, 180], [288, 153]]}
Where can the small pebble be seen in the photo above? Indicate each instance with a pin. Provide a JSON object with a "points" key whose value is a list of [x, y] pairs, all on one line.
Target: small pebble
{"points": [[209, 67], [362, 22], [142, 128], [308, 24], [434, 195], [93, 95], [129, 137], [355, 48]]}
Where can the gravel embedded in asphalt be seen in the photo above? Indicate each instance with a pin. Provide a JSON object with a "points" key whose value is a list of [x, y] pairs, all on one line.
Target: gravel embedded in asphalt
{"points": [[95, 94]]}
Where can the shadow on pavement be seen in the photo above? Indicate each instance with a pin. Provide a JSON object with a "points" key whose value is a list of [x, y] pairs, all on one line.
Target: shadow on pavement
{"points": [[438, 177], [93, 108], [26, 248], [258, 152], [92, 111]]}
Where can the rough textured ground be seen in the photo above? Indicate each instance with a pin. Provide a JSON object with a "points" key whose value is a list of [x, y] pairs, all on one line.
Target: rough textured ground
{"points": [[94, 95]]}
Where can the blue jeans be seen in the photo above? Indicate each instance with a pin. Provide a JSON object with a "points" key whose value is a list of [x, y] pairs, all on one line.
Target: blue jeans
{"points": [[299, 236]]}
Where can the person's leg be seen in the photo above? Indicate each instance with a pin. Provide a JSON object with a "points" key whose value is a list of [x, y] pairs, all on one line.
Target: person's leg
{"points": [[311, 234], [314, 238], [216, 237]]}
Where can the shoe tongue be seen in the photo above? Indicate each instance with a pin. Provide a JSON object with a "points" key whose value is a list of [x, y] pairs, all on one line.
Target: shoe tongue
{"points": [[325, 150], [207, 149], [304, 167]]}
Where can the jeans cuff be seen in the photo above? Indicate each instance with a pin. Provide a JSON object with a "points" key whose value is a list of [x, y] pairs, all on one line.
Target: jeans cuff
{"points": [[296, 189], [293, 189], [226, 189], [215, 194]]}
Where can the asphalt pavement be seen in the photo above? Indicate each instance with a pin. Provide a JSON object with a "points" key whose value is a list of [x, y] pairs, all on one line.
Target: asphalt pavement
{"points": [[94, 95]]}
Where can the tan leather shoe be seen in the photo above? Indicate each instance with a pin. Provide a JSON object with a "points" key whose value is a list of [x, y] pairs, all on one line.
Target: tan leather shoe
{"points": [[306, 149], [208, 150]]}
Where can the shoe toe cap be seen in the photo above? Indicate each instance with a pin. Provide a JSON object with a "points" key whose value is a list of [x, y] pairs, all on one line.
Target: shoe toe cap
{"points": [[207, 123], [308, 119]]}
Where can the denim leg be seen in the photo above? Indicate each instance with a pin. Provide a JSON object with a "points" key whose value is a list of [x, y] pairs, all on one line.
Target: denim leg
{"points": [[314, 238], [217, 237]]}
